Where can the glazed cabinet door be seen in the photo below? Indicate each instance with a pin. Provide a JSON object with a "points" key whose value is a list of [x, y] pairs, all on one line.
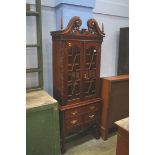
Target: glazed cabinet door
{"points": [[73, 77], [91, 70]]}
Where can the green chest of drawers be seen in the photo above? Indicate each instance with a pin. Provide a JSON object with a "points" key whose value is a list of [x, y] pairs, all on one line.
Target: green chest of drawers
{"points": [[42, 124]]}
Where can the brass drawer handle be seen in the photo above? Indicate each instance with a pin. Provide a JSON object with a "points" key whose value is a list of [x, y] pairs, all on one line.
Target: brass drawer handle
{"points": [[69, 44], [92, 107], [74, 113], [91, 116], [85, 76], [74, 121]]}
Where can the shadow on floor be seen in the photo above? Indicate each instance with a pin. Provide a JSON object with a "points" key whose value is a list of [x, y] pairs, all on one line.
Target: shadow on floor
{"points": [[88, 145]]}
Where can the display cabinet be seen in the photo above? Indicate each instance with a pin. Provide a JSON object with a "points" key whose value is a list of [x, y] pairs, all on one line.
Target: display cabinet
{"points": [[76, 76]]}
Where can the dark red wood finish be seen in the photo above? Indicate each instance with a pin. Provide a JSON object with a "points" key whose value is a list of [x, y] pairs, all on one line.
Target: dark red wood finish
{"points": [[76, 76]]}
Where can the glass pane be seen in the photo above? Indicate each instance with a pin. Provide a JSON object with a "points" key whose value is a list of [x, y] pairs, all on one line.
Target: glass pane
{"points": [[90, 72], [32, 80], [74, 90], [31, 57], [73, 73], [90, 87], [90, 58]]}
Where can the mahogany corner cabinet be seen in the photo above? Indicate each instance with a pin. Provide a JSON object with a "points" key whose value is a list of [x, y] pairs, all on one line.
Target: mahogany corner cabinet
{"points": [[76, 77]]}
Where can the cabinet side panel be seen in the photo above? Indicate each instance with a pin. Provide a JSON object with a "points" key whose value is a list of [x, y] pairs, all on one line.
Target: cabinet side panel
{"points": [[57, 71], [39, 138], [98, 71], [119, 102]]}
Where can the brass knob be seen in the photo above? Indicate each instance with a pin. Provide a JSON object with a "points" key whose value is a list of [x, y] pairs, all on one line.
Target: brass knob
{"points": [[85, 76], [74, 113], [91, 116], [69, 44], [74, 121]]}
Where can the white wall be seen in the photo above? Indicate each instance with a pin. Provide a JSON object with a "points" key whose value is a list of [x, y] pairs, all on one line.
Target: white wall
{"points": [[114, 15], [48, 25]]}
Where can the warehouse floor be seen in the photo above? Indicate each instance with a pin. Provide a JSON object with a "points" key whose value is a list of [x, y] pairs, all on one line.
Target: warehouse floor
{"points": [[90, 146]]}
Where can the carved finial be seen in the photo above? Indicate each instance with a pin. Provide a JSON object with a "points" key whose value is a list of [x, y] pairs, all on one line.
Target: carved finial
{"points": [[93, 27], [102, 28], [61, 22]]}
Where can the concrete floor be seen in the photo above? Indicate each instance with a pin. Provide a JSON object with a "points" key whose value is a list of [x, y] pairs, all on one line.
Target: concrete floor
{"points": [[90, 146]]}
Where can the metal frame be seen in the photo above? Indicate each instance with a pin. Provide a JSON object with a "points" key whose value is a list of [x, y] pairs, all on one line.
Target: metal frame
{"points": [[39, 70]]}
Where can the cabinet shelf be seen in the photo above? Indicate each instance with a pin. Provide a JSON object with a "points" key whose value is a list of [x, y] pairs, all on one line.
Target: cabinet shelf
{"points": [[70, 55], [90, 54], [77, 70], [72, 81], [76, 94], [88, 63], [90, 79], [75, 64]]}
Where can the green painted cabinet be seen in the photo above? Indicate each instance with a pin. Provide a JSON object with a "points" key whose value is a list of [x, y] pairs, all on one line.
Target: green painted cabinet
{"points": [[42, 124]]}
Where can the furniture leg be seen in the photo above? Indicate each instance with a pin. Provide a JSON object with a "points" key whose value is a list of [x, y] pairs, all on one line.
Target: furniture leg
{"points": [[105, 134], [97, 131]]}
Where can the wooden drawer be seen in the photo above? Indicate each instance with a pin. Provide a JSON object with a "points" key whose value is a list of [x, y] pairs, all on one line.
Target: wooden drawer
{"points": [[82, 115], [90, 117], [73, 122], [73, 112], [73, 130], [91, 108]]}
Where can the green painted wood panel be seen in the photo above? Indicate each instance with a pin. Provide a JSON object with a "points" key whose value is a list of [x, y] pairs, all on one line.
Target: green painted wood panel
{"points": [[42, 131]]}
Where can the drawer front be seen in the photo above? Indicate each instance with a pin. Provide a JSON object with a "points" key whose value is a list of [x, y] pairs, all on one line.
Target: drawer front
{"points": [[92, 107], [73, 112], [73, 122], [81, 110], [90, 117], [73, 130], [81, 115]]}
